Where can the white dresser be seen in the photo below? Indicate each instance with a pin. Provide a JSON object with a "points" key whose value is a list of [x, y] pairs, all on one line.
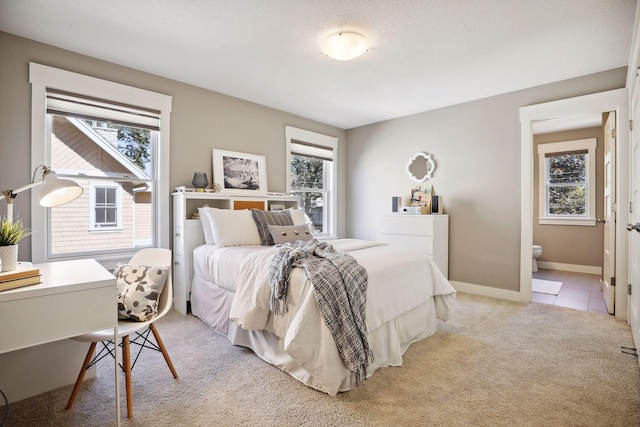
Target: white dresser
{"points": [[188, 235], [425, 233]]}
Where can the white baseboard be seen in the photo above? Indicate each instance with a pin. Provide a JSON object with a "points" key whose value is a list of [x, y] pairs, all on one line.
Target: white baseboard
{"points": [[487, 291], [588, 269]]}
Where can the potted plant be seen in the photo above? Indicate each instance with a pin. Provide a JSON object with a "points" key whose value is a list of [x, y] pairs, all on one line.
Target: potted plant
{"points": [[11, 232]]}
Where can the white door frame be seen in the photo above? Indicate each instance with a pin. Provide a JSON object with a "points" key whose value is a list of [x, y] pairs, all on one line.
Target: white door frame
{"points": [[613, 100], [632, 81], [609, 214], [634, 299]]}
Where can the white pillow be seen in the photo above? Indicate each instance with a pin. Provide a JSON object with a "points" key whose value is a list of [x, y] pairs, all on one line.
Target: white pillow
{"points": [[206, 226], [298, 216], [233, 227]]}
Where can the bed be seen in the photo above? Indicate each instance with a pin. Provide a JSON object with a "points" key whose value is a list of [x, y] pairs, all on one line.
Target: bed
{"points": [[230, 293]]}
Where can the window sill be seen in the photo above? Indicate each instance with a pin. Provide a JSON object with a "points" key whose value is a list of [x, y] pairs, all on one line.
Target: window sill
{"points": [[108, 260], [568, 221]]}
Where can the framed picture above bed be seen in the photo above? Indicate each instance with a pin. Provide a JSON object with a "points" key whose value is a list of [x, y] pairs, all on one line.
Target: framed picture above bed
{"points": [[240, 174]]}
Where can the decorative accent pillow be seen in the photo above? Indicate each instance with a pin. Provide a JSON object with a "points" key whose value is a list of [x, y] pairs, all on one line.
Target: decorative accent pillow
{"points": [[297, 216], [206, 226], [289, 233], [265, 218], [139, 289], [233, 227]]}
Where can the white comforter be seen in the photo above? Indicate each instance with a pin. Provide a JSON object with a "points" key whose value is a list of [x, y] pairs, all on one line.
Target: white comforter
{"points": [[399, 280]]}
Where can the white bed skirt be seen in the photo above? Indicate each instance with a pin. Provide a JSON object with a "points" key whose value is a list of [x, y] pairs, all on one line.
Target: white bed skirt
{"points": [[389, 341]]}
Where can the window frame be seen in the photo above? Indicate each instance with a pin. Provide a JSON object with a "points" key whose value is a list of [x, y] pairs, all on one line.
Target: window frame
{"points": [[42, 77], [544, 150], [93, 223], [330, 179]]}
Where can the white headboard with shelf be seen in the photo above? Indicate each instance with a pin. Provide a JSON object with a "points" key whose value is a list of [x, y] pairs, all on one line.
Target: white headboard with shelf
{"points": [[188, 234]]}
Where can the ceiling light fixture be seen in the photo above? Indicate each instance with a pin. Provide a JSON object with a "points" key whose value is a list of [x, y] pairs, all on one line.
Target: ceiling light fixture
{"points": [[345, 46]]}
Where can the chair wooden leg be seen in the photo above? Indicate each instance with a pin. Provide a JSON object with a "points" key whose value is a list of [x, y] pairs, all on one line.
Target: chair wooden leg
{"points": [[126, 359], [76, 388], [164, 350]]}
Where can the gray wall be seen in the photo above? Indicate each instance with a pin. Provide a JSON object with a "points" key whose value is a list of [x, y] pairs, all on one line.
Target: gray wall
{"points": [[201, 120], [476, 146], [576, 245]]}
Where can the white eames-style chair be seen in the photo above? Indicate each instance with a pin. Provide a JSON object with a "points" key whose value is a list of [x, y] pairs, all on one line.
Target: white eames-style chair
{"points": [[157, 257]]}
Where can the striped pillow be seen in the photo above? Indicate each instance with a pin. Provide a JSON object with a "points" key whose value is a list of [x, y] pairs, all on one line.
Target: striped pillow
{"points": [[265, 218]]}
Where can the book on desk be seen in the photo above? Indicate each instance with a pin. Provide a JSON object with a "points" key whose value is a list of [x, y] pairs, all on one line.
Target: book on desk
{"points": [[21, 276]]}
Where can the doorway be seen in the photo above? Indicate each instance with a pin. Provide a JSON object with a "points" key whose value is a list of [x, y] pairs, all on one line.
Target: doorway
{"points": [[569, 163], [598, 103]]}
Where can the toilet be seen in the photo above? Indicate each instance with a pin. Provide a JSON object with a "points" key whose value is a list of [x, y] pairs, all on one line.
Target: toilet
{"points": [[537, 252]]}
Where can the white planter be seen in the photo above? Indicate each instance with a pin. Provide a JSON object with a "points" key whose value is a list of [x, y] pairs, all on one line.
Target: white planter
{"points": [[9, 257]]}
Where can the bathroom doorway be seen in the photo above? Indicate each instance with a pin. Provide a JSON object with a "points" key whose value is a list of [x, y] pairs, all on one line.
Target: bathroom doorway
{"points": [[554, 113], [570, 161]]}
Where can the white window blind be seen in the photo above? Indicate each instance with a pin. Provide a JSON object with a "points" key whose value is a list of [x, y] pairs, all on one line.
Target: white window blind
{"points": [[307, 149], [84, 107]]}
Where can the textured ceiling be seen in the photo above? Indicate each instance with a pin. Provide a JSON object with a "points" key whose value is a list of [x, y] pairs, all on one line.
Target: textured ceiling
{"points": [[424, 54]]}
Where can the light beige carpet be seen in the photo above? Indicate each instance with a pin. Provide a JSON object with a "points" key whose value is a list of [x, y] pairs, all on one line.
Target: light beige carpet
{"points": [[545, 286], [495, 363]]}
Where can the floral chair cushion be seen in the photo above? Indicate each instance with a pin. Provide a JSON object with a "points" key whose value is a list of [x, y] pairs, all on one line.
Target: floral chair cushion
{"points": [[139, 289]]}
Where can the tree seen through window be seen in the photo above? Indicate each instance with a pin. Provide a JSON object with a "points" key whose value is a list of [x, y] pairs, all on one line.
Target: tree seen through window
{"points": [[567, 184], [307, 181]]}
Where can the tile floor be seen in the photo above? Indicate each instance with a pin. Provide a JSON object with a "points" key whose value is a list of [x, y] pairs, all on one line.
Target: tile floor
{"points": [[579, 291]]}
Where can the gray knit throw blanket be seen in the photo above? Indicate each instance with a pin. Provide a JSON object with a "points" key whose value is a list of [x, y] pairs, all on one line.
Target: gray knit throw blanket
{"points": [[340, 287]]}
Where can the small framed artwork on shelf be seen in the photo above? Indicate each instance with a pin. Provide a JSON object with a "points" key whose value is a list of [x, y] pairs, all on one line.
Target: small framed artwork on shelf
{"points": [[240, 173], [276, 207], [421, 196]]}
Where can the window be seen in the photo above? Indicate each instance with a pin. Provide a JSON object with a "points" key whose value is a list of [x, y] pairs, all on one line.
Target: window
{"points": [[311, 159], [567, 174], [113, 141], [112, 162], [105, 207]]}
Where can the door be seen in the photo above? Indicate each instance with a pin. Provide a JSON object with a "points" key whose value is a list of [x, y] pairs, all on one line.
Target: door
{"points": [[609, 259], [634, 218]]}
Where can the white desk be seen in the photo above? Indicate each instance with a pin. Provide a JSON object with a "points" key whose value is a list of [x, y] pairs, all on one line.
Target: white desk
{"points": [[75, 297]]}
